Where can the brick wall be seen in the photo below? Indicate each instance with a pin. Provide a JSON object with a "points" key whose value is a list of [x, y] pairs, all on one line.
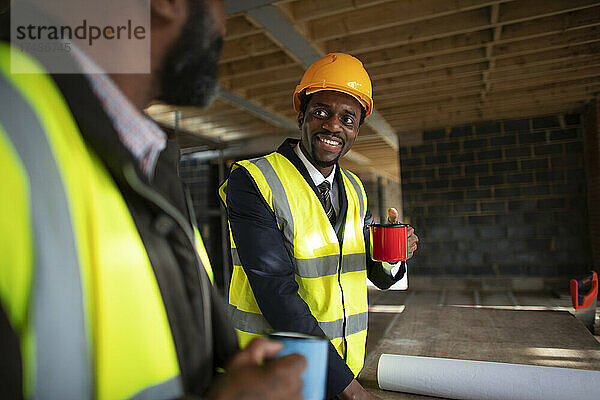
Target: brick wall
{"points": [[504, 199]]}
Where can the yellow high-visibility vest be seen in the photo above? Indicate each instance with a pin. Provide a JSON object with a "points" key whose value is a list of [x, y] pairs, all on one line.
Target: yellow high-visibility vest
{"points": [[75, 279], [332, 277]]}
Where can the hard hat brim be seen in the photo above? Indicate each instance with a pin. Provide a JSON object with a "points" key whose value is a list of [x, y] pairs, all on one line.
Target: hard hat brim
{"points": [[311, 90]]}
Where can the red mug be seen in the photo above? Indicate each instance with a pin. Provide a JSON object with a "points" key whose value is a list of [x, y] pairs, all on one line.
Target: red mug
{"points": [[389, 242]]}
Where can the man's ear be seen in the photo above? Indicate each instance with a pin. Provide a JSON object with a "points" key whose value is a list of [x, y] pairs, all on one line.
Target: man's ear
{"points": [[300, 120], [169, 9]]}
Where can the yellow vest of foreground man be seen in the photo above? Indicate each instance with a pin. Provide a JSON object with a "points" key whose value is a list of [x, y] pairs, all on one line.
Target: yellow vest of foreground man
{"points": [[76, 281], [332, 278]]}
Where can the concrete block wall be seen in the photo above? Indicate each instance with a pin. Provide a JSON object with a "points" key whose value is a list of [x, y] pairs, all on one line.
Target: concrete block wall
{"points": [[387, 189], [201, 178], [499, 199]]}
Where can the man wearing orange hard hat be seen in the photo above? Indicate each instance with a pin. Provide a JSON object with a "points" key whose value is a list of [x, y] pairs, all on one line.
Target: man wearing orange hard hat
{"points": [[299, 236]]}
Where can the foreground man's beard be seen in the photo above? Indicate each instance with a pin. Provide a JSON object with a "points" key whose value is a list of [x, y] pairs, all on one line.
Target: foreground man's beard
{"points": [[189, 73]]}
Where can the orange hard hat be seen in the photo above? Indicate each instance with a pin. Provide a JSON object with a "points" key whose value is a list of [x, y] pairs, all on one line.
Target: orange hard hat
{"points": [[340, 72]]}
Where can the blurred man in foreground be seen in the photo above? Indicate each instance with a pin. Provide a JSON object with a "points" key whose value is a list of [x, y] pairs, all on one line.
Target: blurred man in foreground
{"points": [[104, 282]]}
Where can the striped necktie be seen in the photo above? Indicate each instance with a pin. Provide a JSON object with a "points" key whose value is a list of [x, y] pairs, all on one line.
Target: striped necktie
{"points": [[326, 200]]}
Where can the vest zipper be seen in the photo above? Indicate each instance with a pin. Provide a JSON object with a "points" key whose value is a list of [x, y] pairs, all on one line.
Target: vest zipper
{"points": [[343, 305], [150, 194]]}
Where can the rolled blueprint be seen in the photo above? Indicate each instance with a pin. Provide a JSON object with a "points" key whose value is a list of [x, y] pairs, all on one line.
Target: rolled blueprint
{"points": [[481, 380]]}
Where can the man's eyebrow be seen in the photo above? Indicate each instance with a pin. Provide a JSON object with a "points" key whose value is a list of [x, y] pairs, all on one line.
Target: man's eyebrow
{"points": [[325, 105]]}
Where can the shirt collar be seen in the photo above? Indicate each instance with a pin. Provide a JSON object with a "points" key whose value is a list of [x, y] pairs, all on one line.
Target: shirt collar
{"points": [[140, 135], [314, 173]]}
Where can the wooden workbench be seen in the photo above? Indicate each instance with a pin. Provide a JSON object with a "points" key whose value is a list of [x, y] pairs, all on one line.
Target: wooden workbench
{"points": [[548, 338]]}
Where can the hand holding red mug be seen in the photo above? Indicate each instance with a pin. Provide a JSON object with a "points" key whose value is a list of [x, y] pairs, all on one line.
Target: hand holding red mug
{"points": [[412, 237], [392, 242]]}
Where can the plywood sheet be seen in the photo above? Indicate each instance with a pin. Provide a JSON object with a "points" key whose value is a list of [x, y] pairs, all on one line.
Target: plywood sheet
{"points": [[548, 338]]}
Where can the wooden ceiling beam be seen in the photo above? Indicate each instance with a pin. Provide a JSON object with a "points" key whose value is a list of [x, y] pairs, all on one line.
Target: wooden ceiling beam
{"points": [[569, 52], [258, 79], [390, 14], [547, 61], [469, 21], [497, 81], [302, 11], [470, 117], [583, 40], [249, 125], [489, 49], [416, 81], [429, 48], [582, 78], [540, 78], [406, 13], [472, 21], [408, 103], [238, 27], [270, 62], [425, 94], [552, 62], [430, 89], [473, 40], [276, 89], [239, 117], [530, 10], [457, 59], [553, 24], [537, 97], [549, 42], [250, 46], [443, 109], [474, 115], [467, 99]]}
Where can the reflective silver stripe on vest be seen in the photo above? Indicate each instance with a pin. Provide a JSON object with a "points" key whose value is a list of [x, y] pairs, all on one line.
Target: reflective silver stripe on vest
{"points": [[169, 389], [333, 329], [249, 322], [62, 363], [354, 324], [317, 267], [324, 266], [357, 323], [320, 266], [235, 257], [354, 262], [281, 206], [257, 324], [359, 192]]}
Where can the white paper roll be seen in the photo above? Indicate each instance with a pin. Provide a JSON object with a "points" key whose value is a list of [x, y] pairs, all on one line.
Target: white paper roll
{"points": [[480, 380]]}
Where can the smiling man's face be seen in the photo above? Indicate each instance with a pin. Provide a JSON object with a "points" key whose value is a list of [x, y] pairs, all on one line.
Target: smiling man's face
{"points": [[328, 128]]}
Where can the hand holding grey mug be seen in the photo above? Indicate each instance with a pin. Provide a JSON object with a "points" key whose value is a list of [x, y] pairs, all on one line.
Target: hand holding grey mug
{"points": [[314, 349]]}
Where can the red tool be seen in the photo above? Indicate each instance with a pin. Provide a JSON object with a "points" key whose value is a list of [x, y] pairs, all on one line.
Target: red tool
{"points": [[584, 293]]}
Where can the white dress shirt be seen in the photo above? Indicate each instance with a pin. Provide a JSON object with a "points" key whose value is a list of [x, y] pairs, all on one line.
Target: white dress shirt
{"points": [[318, 178]]}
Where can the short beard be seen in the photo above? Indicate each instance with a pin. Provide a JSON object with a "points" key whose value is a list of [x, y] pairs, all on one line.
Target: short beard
{"points": [[189, 73], [320, 163], [325, 164]]}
